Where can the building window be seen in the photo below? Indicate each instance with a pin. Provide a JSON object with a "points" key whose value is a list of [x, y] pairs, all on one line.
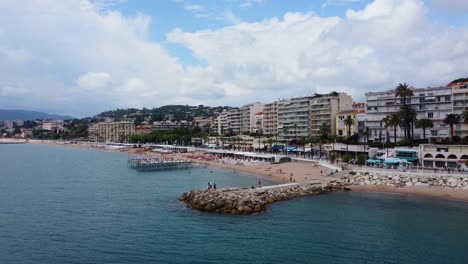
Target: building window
{"points": [[447, 98], [434, 133], [430, 115]]}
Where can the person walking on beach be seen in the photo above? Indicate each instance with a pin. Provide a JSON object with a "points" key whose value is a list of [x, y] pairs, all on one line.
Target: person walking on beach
{"points": [[209, 186], [259, 184], [214, 186]]}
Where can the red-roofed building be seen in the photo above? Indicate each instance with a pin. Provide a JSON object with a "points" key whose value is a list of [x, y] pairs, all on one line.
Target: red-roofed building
{"points": [[143, 129]]}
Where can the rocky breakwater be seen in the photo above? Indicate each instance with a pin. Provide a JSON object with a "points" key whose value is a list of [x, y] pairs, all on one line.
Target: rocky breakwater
{"points": [[399, 181], [247, 201]]}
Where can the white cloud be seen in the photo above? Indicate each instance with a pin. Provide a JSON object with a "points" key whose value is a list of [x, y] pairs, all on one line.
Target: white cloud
{"points": [[387, 42], [94, 80]]}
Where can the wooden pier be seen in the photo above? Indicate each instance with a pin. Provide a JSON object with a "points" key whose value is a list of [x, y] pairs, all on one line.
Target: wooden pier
{"points": [[146, 162]]}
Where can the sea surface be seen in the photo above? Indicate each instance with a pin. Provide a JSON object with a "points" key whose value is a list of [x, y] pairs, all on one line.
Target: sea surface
{"points": [[70, 205]]}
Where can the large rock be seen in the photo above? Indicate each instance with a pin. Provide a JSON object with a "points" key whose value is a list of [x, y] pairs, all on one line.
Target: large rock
{"points": [[452, 182]]}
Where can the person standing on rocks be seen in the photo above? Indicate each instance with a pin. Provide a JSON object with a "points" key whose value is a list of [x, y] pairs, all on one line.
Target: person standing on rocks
{"points": [[259, 184], [214, 186]]}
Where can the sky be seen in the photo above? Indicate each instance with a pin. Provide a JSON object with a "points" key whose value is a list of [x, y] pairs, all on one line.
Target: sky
{"points": [[82, 57]]}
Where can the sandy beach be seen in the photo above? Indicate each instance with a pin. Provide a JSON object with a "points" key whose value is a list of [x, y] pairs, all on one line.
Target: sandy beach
{"points": [[296, 172]]}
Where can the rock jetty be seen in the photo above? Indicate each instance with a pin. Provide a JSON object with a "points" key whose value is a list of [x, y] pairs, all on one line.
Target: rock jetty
{"points": [[247, 201], [399, 181]]}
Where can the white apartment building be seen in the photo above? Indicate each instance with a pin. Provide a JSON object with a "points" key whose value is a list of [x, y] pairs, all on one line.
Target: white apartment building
{"points": [[247, 117], [233, 121], [293, 118], [270, 118], [324, 108], [433, 103], [258, 122]]}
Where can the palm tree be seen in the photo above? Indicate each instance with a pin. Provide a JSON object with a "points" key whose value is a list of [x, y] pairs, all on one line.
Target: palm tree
{"points": [[394, 120], [324, 131], [452, 119], [403, 91], [285, 131], [386, 120], [366, 134], [348, 122], [424, 123], [465, 116]]}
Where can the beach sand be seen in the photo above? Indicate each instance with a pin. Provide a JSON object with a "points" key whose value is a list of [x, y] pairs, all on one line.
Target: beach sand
{"points": [[432, 191], [297, 172]]}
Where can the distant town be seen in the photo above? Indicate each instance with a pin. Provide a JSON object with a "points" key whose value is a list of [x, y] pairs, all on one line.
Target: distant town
{"points": [[403, 116]]}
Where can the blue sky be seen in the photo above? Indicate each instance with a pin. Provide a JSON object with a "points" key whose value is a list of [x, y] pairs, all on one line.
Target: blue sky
{"points": [[81, 57]]}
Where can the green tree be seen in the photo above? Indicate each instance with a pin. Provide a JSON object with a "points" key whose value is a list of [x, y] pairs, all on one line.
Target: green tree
{"points": [[424, 123], [394, 121], [404, 91], [348, 122], [451, 120]]}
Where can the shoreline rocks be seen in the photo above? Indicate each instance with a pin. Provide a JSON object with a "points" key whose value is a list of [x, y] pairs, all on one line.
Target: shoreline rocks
{"points": [[248, 201], [401, 181]]}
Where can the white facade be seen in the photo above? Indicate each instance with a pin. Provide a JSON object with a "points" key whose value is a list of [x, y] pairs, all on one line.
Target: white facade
{"points": [[434, 103], [247, 117], [293, 116]]}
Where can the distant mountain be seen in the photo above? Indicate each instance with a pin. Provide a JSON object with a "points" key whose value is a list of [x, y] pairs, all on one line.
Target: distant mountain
{"points": [[28, 115]]}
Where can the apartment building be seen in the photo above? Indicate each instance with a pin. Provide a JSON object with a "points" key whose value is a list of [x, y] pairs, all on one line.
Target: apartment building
{"points": [[233, 121], [93, 132], [324, 109], [433, 103], [293, 118], [270, 118], [259, 122], [222, 122], [115, 131], [341, 128], [247, 117], [460, 104], [170, 125]]}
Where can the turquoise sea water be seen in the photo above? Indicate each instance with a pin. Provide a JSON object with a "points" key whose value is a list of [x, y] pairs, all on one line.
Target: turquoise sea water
{"points": [[69, 205]]}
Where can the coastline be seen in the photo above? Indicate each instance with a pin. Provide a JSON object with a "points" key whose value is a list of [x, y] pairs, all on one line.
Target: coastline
{"points": [[298, 172]]}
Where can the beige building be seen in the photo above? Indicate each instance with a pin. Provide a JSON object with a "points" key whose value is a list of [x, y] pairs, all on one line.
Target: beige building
{"points": [[270, 118], [222, 122], [460, 104], [247, 117], [341, 128], [324, 109], [115, 131], [93, 132], [443, 155]]}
